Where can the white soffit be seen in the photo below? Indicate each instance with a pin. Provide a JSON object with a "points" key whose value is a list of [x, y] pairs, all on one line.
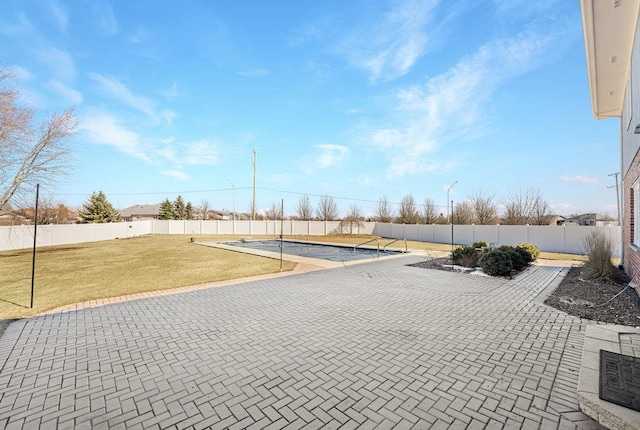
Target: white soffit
{"points": [[609, 29]]}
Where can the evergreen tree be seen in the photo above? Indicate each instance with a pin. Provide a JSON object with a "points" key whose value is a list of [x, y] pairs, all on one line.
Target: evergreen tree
{"points": [[166, 210], [179, 208], [189, 211], [98, 210]]}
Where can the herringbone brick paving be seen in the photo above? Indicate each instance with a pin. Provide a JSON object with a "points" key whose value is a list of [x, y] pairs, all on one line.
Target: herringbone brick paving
{"points": [[379, 345]]}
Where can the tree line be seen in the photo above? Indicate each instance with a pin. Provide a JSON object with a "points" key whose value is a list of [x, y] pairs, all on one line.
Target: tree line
{"points": [[522, 206]]}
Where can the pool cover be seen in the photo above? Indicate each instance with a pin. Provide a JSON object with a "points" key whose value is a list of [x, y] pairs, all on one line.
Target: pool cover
{"points": [[313, 250]]}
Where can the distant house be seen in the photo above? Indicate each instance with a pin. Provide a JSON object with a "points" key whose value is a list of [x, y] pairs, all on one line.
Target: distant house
{"points": [[555, 219], [140, 212], [592, 219], [7, 215]]}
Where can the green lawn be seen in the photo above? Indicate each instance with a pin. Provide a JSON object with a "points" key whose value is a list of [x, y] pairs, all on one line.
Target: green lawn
{"points": [[77, 273], [88, 271]]}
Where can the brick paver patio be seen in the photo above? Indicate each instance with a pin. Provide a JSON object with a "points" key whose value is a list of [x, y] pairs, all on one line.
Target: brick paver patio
{"points": [[377, 345]]}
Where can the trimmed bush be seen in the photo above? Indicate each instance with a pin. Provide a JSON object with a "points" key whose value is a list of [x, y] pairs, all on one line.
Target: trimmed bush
{"points": [[525, 254], [466, 256], [480, 244], [517, 261], [533, 250], [496, 263]]}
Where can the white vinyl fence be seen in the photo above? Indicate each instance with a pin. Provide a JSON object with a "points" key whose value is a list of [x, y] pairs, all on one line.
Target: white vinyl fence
{"points": [[567, 239], [21, 237], [551, 238]]}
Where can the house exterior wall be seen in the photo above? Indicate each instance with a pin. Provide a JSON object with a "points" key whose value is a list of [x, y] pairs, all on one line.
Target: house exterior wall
{"points": [[630, 163]]}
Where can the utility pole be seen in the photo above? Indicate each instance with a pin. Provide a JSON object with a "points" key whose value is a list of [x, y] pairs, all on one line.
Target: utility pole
{"points": [[255, 166], [617, 194]]}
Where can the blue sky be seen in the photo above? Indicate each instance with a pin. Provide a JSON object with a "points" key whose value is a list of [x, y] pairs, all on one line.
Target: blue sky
{"points": [[355, 99]]}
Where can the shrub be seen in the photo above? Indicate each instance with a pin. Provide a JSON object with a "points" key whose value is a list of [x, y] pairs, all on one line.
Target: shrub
{"points": [[480, 244], [525, 254], [496, 263], [599, 250], [517, 260], [533, 250], [466, 256]]}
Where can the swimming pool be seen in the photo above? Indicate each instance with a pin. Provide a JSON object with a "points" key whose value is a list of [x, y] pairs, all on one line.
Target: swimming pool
{"points": [[313, 250]]}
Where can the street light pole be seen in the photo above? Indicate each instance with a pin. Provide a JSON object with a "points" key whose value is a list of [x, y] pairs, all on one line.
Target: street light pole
{"points": [[449, 189]]}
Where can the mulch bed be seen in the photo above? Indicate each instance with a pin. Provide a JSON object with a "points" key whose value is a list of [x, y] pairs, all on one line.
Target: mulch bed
{"points": [[594, 299]]}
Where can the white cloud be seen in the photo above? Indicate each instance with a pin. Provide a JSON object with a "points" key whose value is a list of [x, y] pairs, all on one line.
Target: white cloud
{"points": [[331, 155], [140, 36], [17, 26], [172, 92], [105, 17], [388, 49], [60, 16], [254, 73], [67, 93], [117, 89], [580, 179], [168, 116], [21, 73], [449, 107], [61, 62], [513, 9], [104, 129], [175, 174], [201, 152]]}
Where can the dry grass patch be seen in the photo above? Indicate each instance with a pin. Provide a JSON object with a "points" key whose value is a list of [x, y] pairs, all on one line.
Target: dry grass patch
{"points": [[90, 271]]}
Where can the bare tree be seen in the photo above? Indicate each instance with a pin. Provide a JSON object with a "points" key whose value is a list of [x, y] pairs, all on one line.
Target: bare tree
{"points": [[205, 207], [327, 209], [63, 214], [30, 154], [48, 211], [540, 214], [462, 213], [384, 213], [275, 211], [485, 211], [304, 211], [408, 212], [525, 206], [429, 211], [354, 218]]}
